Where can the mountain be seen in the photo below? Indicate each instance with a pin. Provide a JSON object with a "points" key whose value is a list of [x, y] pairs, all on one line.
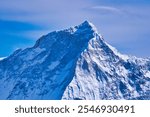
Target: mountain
{"points": [[73, 64]]}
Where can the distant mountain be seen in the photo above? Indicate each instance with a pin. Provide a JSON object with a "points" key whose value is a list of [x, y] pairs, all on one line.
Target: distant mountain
{"points": [[73, 64]]}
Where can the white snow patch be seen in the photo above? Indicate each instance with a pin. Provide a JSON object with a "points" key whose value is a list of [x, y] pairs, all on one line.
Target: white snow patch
{"points": [[147, 74], [39, 61], [39, 50], [139, 61], [135, 94], [105, 67], [93, 27], [121, 71], [124, 57], [53, 65], [34, 53], [2, 58]]}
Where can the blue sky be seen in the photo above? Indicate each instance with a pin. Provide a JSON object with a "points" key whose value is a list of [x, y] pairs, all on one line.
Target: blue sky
{"points": [[125, 24]]}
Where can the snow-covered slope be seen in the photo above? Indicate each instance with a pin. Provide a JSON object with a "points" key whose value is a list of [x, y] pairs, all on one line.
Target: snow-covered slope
{"points": [[1, 58], [75, 63]]}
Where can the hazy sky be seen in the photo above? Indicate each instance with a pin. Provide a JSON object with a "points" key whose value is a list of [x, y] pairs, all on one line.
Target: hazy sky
{"points": [[125, 24]]}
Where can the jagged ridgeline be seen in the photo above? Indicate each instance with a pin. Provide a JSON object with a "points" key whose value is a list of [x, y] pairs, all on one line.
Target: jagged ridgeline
{"points": [[73, 64]]}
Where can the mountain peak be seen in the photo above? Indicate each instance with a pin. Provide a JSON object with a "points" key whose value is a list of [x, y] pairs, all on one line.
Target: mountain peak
{"points": [[84, 31], [87, 25]]}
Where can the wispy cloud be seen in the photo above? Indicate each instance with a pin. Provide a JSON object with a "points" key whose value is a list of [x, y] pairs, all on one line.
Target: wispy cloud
{"points": [[107, 9]]}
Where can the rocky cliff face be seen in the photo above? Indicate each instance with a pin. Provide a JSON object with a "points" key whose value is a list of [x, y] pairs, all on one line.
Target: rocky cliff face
{"points": [[75, 63]]}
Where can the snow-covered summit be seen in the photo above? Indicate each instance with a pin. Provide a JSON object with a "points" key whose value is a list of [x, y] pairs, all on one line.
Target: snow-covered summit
{"points": [[86, 25], [86, 28], [75, 63]]}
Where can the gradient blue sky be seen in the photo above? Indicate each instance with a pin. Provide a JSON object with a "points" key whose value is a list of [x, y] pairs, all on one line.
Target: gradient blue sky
{"points": [[125, 24]]}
